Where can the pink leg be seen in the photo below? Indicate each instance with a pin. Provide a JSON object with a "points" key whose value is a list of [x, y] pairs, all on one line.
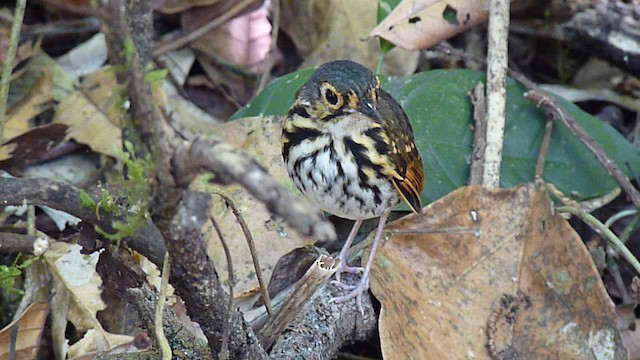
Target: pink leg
{"points": [[363, 284], [344, 266]]}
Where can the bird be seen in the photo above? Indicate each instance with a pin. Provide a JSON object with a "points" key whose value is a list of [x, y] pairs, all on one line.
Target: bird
{"points": [[349, 147]]}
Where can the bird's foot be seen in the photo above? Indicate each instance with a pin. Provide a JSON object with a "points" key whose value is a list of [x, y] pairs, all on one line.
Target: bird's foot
{"points": [[355, 291], [344, 268]]}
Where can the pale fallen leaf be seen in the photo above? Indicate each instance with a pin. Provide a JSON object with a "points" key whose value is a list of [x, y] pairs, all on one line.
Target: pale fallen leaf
{"points": [[30, 326], [76, 274], [499, 269], [273, 238], [94, 341], [336, 29], [33, 104], [85, 58], [421, 24]]}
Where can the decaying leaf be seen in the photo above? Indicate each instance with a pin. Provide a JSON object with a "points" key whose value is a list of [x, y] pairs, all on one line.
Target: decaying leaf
{"points": [[421, 24], [328, 30], [93, 113], [77, 287], [495, 271], [178, 6], [30, 326], [272, 237], [33, 104]]}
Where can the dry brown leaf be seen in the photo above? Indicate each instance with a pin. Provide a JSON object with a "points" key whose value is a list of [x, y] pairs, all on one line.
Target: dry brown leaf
{"points": [[92, 113], [325, 30], [30, 326], [522, 285], [273, 238], [421, 24], [20, 113]]}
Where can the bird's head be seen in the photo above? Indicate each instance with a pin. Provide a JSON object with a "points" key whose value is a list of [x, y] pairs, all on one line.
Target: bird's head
{"points": [[338, 88]]}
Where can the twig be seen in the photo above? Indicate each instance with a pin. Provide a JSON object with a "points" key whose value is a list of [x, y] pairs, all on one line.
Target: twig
{"points": [[321, 270], [147, 239], [275, 27], [224, 347], [538, 96], [558, 113], [479, 102], [8, 61], [198, 285], [254, 253], [619, 215], [186, 39], [11, 243], [605, 232], [544, 147], [231, 165], [496, 90], [31, 220], [162, 298]]}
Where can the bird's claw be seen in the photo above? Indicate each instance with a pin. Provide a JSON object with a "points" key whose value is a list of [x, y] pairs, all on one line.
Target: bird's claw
{"points": [[355, 292]]}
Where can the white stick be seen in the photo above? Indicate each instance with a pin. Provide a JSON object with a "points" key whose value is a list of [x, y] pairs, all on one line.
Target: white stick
{"points": [[496, 91]]}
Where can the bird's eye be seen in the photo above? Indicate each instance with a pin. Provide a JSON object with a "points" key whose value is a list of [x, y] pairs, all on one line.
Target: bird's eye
{"points": [[331, 97]]}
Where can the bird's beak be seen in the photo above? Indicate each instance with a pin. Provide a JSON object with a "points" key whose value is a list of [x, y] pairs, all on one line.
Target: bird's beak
{"points": [[369, 110]]}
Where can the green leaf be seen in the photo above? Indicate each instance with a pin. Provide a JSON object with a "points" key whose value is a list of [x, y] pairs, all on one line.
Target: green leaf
{"points": [[438, 106]]}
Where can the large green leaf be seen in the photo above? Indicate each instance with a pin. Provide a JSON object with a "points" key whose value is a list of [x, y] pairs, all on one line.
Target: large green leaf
{"points": [[439, 109]]}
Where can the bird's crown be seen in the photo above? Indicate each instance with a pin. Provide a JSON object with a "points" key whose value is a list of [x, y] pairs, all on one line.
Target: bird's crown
{"points": [[339, 87]]}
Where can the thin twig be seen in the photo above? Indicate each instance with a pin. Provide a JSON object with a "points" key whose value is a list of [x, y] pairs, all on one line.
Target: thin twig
{"points": [[496, 91], [253, 251], [544, 147], [186, 39], [547, 103], [605, 232], [163, 343], [479, 102], [539, 96], [224, 347], [275, 25], [31, 220], [8, 61], [11, 243]]}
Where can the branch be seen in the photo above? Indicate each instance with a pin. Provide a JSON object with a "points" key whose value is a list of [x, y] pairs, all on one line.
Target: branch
{"points": [[65, 197], [11, 243], [496, 91], [196, 281], [334, 326], [233, 166], [479, 102], [549, 105]]}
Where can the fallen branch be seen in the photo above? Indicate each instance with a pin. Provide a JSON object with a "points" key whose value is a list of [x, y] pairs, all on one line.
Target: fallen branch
{"points": [[195, 280], [230, 165], [65, 197], [304, 290], [334, 326], [11, 243], [544, 147]]}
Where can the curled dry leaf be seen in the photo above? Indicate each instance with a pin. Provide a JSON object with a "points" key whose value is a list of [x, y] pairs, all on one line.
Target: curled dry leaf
{"points": [[260, 137], [420, 24], [498, 270], [78, 298], [30, 326], [243, 41]]}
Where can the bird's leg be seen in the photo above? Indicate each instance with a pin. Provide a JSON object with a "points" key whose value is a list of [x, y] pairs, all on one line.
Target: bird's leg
{"points": [[363, 284], [344, 266]]}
